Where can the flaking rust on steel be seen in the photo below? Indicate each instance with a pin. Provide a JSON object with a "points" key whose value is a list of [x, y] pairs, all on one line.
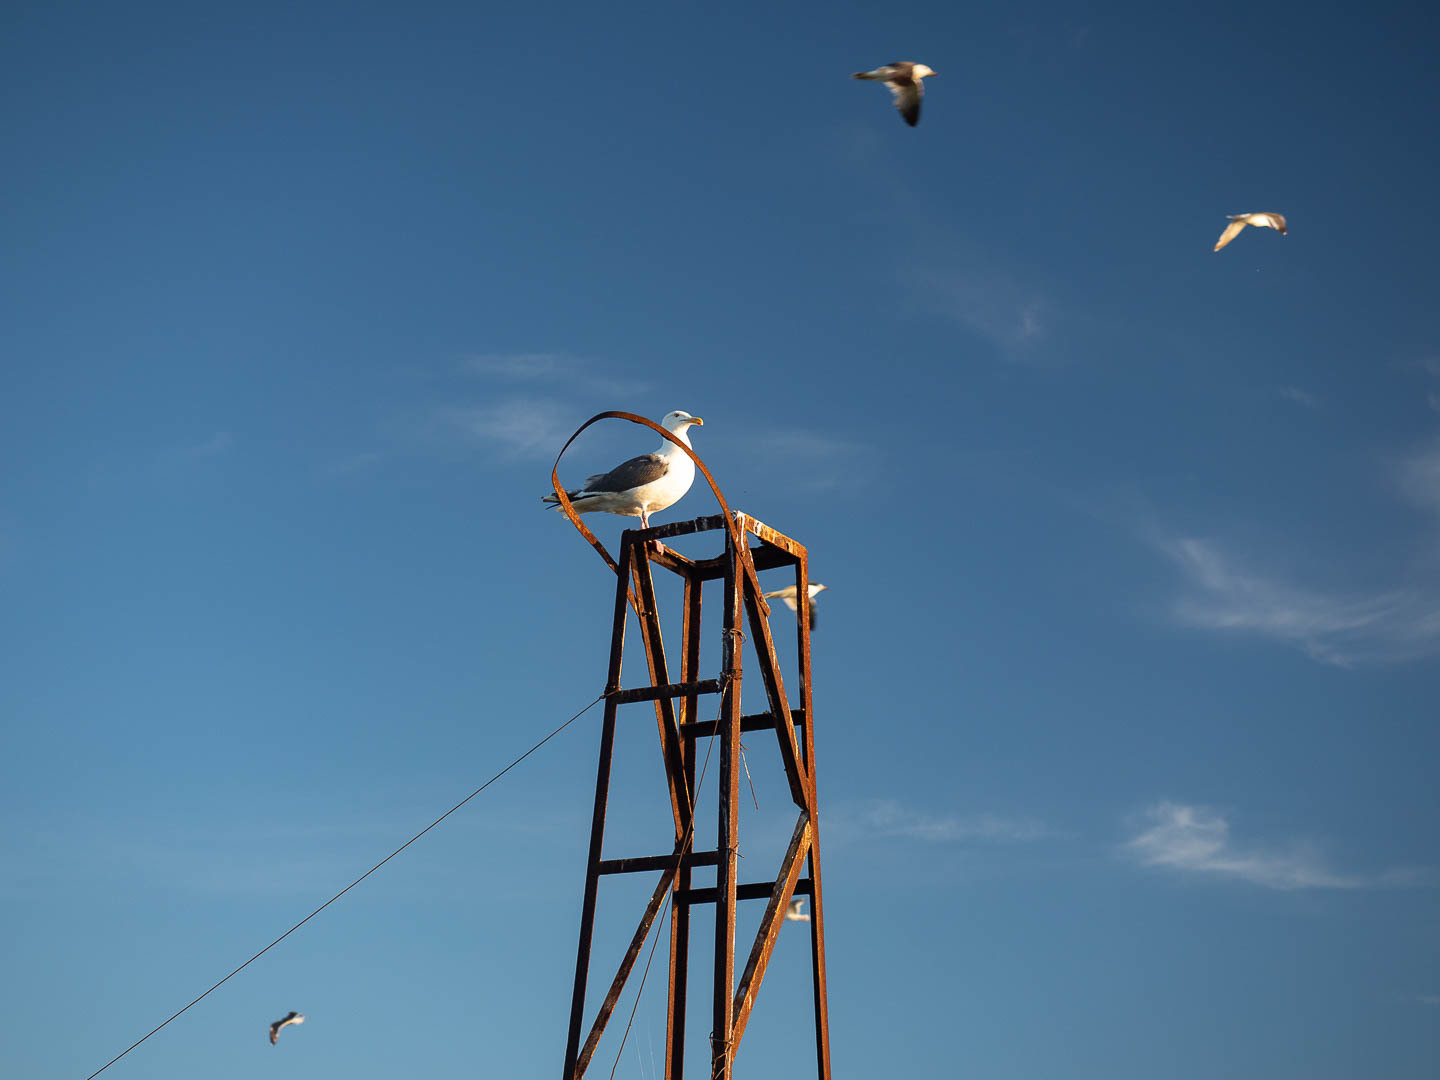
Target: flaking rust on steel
{"points": [[679, 730]]}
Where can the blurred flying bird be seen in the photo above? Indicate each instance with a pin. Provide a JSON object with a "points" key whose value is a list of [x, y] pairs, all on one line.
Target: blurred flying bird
{"points": [[796, 911], [1239, 221], [787, 594], [292, 1018], [902, 79]]}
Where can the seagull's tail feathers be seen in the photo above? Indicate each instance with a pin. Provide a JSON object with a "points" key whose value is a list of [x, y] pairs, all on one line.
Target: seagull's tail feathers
{"points": [[578, 499]]}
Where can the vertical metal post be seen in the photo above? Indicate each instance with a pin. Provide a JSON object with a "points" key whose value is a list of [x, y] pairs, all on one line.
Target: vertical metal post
{"points": [[597, 821], [680, 911], [817, 903], [727, 840]]}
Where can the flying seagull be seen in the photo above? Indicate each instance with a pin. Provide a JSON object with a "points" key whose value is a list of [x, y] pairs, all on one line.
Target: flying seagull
{"points": [[796, 911], [902, 79], [292, 1018], [1239, 221], [643, 485], [787, 594]]}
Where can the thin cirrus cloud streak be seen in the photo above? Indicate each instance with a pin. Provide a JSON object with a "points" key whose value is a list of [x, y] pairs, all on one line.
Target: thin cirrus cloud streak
{"points": [[1194, 840], [888, 818], [819, 462], [190, 458], [217, 443], [1222, 595], [1013, 319], [551, 367], [532, 425], [1418, 477], [517, 427], [1299, 397]]}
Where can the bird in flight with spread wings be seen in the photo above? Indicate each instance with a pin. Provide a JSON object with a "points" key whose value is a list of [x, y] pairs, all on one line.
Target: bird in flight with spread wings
{"points": [[903, 80], [1265, 220], [286, 1021]]}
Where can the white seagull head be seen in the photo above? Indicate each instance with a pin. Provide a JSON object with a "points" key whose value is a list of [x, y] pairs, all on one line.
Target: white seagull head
{"points": [[679, 420]]}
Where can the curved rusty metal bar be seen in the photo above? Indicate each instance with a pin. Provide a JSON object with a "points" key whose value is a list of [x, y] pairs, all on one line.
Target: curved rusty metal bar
{"points": [[569, 509]]}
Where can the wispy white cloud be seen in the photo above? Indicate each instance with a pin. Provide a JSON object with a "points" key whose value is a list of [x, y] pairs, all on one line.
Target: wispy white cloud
{"points": [[1014, 318], [1192, 839], [354, 463], [1299, 396], [1334, 627], [890, 818], [820, 461], [1429, 999], [181, 459], [1418, 477], [553, 367], [218, 443], [517, 427]]}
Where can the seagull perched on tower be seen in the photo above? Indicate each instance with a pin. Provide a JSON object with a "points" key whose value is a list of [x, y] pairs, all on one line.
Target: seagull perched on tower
{"points": [[902, 79], [643, 485], [1239, 221]]}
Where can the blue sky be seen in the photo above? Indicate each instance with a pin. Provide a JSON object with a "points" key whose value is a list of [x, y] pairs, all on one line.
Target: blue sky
{"points": [[1126, 678]]}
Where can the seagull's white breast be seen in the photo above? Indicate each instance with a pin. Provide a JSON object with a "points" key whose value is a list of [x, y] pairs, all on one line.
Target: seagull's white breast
{"points": [[662, 493]]}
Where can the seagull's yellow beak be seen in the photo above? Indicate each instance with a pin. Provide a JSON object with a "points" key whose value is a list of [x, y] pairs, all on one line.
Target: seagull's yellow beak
{"points": [[696, 420]]}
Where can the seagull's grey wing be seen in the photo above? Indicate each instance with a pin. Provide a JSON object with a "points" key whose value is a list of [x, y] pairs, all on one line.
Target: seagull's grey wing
{"points": [[638, 471], [1231, 231], [274, 1032], [880, 73], [812, 613], [907, 98]]}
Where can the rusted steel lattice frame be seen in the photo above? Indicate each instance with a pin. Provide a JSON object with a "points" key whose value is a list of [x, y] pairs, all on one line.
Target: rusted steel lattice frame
{"points": [[635, 588]]}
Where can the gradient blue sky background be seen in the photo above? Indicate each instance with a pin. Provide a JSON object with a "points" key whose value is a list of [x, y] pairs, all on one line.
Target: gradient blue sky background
{"points": [[1126, 682]]}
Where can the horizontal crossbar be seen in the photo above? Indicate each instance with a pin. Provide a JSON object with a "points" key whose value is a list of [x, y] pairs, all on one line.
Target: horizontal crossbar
{"points": [[668, 690], [764, 721], [766, 558], [656, 862], [757, 890]]}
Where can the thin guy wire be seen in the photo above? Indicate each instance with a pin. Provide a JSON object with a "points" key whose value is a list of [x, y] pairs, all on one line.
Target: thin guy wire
{"points": [[352, 885], [670, 914]]}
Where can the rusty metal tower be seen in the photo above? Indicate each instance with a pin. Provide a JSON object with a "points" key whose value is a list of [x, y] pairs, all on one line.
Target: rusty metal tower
{"points": [[680, 729]]}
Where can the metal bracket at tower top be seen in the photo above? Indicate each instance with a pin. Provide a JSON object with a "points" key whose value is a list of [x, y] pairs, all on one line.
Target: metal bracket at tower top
{"points": [[737, 568]]}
